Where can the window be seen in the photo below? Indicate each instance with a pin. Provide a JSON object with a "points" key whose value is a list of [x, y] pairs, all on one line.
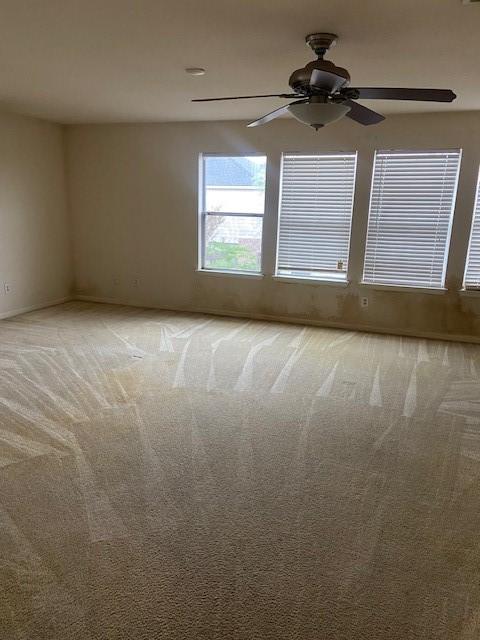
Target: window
{"points": [[472, 273], [232, 203], [411, 210], [316, 200]]}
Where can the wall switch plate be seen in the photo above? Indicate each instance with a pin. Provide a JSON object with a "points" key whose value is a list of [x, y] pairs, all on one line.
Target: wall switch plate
{"points": [[7, 288], [364, 302]]}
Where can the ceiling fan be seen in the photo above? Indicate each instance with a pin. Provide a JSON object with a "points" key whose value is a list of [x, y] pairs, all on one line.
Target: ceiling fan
{"points": [[325, 94]]}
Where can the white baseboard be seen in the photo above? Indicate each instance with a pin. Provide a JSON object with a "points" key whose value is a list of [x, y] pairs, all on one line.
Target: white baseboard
{"points": [[291, 320], [33, 307]]}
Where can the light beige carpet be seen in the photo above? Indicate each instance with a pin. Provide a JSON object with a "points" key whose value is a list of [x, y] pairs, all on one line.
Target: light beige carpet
{"points": [[177, 476]]}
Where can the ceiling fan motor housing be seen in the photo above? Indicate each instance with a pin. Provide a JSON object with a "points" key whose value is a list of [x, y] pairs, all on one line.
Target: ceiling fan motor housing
{"points": [[301, 78]]}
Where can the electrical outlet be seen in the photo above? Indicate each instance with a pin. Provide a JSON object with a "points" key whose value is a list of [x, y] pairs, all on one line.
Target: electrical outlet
{"points": [[136, 282], [7, 288], [364, 302]]}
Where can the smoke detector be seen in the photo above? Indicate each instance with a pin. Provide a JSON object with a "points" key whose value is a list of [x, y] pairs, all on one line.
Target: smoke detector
{"points": [[195, 71]]}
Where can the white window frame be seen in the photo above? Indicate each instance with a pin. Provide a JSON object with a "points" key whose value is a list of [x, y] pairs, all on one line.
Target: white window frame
{"points": [[203, 214], [323, 277], [475, 222], [414, 287]]}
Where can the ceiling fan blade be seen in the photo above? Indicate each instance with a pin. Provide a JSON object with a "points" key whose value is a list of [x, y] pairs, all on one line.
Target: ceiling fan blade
{"points": [[326, 80], [269, 116], [385, 93], [268, 95], [362, 114]]}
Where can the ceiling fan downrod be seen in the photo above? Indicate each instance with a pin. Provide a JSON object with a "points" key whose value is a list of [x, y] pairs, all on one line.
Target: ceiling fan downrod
{"points": [[320, 43]]}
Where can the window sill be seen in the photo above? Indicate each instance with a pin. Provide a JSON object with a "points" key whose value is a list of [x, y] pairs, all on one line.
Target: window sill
{"points": [[474, 293], [314, 281], [408, 289], [236, 274]]}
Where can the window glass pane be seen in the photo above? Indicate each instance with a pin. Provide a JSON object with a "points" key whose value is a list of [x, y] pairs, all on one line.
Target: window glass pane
{"points": [[411, 210], [234, 184], [472, 273], [233, 243], [316, 203]]}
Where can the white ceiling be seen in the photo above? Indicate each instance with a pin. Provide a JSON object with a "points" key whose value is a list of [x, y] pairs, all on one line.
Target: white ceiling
{"points": [[123, 60]]}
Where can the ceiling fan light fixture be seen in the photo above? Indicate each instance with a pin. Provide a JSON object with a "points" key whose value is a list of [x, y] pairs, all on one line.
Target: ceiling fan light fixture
{"points": [[318, 114]]}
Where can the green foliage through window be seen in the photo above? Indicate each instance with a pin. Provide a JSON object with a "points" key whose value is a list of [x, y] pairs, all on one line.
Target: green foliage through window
{"points": [[226, 255]]}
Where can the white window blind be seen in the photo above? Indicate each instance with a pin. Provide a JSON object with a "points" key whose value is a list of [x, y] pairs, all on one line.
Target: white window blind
{"points": [[411, 209], [316, 201], [472, 273]]}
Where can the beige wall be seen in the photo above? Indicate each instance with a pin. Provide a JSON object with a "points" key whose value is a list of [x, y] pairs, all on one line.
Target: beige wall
{"points": [[133, 190], [35, 244]]}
